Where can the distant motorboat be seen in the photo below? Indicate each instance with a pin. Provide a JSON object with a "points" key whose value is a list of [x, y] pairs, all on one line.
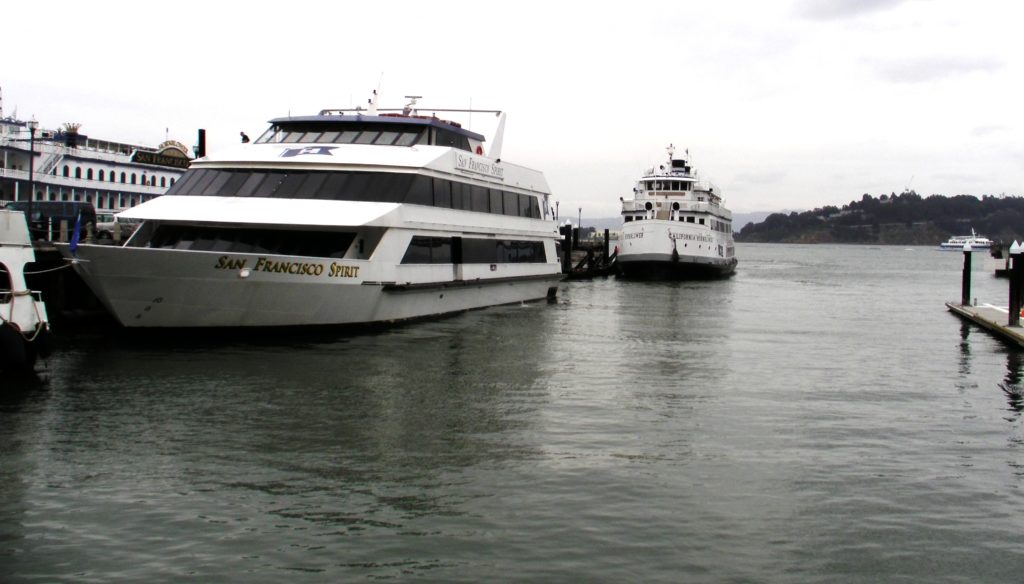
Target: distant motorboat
{"points": [[957, 242]]}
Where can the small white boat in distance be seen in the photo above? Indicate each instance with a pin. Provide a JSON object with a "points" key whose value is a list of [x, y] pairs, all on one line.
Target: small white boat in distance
{"points": [[957, 242], [24, 325]]}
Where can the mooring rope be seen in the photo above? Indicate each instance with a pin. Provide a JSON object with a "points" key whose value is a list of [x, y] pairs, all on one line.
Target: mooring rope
{"points": [[65, 266]]}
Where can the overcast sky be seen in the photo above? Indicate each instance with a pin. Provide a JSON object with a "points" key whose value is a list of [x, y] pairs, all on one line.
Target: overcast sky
{"points": [[787, 104]]}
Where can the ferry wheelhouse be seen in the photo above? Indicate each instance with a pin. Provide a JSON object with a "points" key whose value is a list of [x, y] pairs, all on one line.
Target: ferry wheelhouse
{"points": [[349, 216], [675, 227]]}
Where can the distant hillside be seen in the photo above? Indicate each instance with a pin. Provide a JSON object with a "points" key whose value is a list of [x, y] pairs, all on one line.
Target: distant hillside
{"points": [[905, 219], [602, 223], [741, 219]]}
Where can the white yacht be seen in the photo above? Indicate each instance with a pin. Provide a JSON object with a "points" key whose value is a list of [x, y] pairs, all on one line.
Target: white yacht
{"points": [[24, 324], [675, 227], [957, 242], [349, 216]]}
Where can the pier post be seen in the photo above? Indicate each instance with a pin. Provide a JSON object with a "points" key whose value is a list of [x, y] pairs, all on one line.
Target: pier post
{"points": [[566, 249], [200, 149], [1016, 271], [965, 285], [606, 232]]}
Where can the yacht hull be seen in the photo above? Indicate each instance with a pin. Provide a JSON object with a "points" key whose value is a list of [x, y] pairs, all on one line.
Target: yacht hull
{"points": [[157, 288]]}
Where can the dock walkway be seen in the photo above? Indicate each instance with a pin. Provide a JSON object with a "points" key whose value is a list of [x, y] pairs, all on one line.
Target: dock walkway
{"points": [[991, 317]]}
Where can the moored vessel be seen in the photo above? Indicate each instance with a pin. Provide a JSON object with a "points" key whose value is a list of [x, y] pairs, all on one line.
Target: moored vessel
{"points": [[675, 227], [24, 325], [350, 216], [65, 165]]}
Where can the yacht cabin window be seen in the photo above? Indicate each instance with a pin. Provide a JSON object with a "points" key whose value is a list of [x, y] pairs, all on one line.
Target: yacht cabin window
{"points": [[381, 187]]}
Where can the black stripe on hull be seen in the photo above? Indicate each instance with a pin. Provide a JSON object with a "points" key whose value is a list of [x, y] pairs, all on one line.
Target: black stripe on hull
{"points": [[669, 270]]}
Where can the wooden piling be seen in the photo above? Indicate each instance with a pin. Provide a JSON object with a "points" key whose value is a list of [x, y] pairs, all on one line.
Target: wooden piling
{"points": [[1016, 273], [965, 285], [992, 317]]}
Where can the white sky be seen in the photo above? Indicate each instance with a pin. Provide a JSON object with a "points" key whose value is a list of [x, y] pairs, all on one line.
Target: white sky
{"points": [[783, 104]]}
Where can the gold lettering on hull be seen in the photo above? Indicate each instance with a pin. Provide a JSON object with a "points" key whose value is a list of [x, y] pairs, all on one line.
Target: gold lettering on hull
{"points": [[264, 264]]}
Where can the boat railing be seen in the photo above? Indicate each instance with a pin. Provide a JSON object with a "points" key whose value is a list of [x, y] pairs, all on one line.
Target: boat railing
{"points": [[52, 160], [76, 183], [694, 207]]}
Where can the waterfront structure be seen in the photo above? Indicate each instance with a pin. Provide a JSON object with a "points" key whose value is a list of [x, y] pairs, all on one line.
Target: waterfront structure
{"points": [[675, 227], [344, 217], [67, 165]]}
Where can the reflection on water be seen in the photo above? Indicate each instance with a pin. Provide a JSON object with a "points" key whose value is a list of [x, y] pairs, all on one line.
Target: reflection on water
{"points": [[1012, 386], [818, 417]]}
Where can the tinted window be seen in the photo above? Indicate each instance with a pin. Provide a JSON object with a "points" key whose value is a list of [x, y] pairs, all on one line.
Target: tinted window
{"points": [[442, 193], [325, 244], [428, 250], [380, 187], [420, 192], [251, 184], [511, 203], [479, 199], [436, 250]]}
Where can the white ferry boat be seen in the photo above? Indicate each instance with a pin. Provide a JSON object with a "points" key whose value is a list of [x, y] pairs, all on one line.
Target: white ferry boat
{"points": [[66, 165], [675, 227], [345, 217], [957, 242], [24, 324]]}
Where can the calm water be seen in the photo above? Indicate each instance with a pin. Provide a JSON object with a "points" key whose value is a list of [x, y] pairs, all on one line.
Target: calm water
{"points": [[820, 417]]}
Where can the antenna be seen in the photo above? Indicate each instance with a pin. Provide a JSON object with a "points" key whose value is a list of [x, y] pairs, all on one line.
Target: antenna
{"points": [[410, 108], [371, 104]]}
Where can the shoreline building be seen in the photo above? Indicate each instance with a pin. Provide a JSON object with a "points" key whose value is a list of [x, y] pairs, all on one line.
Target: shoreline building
{"points": [[71, 166]]}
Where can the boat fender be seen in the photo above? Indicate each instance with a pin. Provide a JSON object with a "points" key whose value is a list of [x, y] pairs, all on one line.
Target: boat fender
{"points": [[12, 348], [43, 344], [480, 150]]}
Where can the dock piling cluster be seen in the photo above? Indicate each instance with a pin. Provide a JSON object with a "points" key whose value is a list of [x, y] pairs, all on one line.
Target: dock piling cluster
{"points": [[990, 317]]}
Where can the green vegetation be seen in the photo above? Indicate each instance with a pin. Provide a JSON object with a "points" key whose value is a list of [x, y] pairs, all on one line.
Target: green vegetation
{"points": [[905, 219]]}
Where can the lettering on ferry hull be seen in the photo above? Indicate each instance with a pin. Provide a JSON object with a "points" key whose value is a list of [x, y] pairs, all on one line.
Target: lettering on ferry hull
{"points": [[470, 164], [689, 237], [634, 236], [263, 264]]}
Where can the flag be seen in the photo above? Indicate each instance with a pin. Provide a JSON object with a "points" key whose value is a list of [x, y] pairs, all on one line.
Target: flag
{"points": [[76, 234]]}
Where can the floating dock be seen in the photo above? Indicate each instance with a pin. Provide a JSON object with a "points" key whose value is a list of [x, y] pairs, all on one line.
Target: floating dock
{"points": [[1003, 322], [993, 318]]}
